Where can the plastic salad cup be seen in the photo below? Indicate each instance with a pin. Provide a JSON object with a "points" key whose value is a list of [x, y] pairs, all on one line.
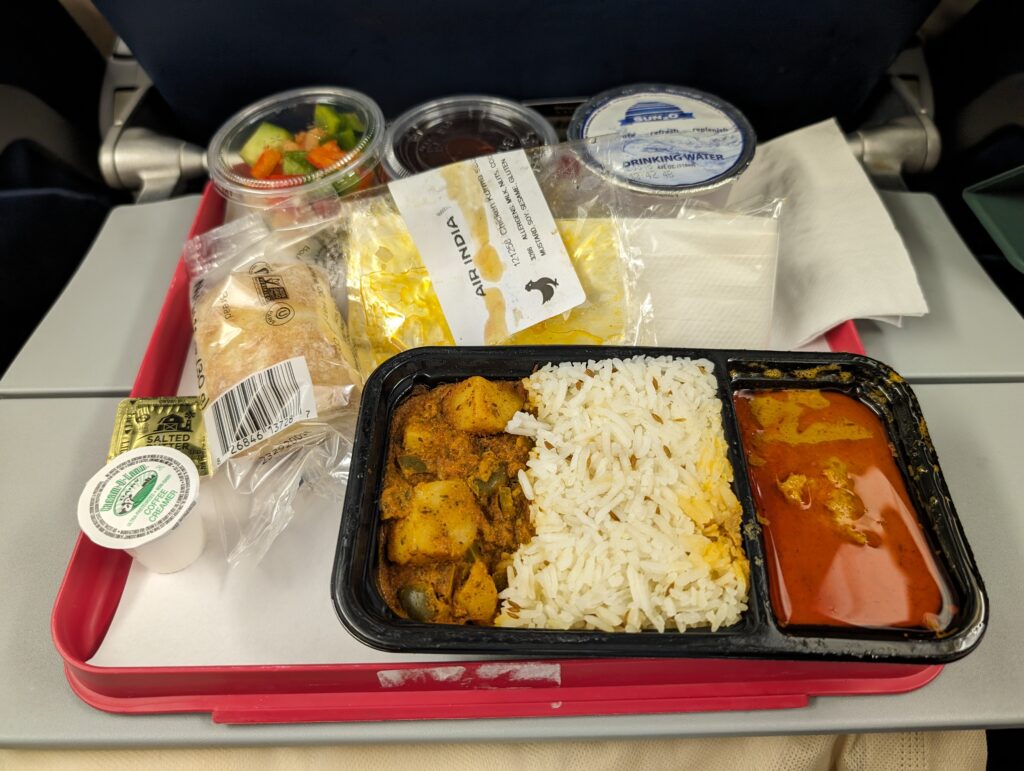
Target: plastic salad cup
{"points": [[458, 128], [344, 129], [664, 139]]}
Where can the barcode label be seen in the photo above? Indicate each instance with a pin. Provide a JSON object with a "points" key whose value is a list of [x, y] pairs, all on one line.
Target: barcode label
{"points": [[257, 408]]}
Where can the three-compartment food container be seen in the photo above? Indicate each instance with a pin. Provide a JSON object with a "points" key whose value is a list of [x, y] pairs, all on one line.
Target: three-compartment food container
{"points": [[760, 633]]}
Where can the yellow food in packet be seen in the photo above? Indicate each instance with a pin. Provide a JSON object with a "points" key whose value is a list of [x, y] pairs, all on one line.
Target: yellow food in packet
{"points": [[392, 305]]}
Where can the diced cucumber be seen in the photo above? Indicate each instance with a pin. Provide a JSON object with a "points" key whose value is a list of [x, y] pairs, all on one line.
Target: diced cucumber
{"points": [[266, 135], [346, 139], [327, 118], [352, 121], [295, 163]]}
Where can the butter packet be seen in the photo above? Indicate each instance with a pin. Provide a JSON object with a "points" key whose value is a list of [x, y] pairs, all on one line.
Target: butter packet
{"points": [[167, 421]]}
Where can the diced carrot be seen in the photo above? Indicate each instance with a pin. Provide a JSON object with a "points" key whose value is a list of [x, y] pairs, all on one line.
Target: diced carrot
{"points": [[266, 163], [325, 155]]}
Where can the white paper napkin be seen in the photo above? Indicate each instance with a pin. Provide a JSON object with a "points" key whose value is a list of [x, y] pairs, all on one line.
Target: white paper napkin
{"points": [[710, 276], [840, 256]]}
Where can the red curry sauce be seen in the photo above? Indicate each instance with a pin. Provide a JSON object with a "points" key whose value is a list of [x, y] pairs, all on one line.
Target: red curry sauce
{"points": [[843, 544]]}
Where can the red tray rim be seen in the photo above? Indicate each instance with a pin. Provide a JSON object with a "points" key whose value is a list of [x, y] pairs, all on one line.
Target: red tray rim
{"points": [[355, 691]]}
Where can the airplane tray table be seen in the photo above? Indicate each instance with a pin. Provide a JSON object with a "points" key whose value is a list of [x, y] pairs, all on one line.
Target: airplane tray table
{"points": [[357, 691], [138, 248]]}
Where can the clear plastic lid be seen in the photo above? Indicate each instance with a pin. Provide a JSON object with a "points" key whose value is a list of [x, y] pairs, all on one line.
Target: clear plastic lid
{"points": [[458, 128], [294, 112], [661, 138]]}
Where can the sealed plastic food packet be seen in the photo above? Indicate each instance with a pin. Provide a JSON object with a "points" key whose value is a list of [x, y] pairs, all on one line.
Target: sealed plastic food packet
{"points": [[516, 248], [256, 496], [276, 376], [264, 310]]}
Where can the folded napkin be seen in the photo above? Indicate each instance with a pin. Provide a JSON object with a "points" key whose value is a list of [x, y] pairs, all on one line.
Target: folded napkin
{"points": [[840, 256], [710, 275]]}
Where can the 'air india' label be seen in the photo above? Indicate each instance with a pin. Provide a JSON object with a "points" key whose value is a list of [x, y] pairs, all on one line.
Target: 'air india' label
{"points": [[487, 237]]}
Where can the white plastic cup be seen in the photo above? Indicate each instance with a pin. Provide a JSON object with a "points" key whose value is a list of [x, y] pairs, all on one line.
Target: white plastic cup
{"points": [[665, 140], [144, 502]]}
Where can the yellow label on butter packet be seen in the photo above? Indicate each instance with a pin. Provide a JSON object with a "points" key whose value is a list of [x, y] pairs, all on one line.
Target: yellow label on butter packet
{"points": [[167, 421]]}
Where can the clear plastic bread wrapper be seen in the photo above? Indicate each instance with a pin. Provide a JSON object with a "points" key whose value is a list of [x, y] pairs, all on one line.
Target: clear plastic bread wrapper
{"points": [[276, 374]]}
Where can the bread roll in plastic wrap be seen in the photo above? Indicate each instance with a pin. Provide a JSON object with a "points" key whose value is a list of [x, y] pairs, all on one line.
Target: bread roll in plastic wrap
{"points": [[264, 314]]}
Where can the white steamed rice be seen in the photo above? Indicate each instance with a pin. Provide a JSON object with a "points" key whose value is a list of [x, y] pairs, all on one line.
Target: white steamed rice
{"points": [[636, 523]]}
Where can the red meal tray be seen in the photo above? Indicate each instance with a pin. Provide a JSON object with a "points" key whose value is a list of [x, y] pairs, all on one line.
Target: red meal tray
{"points": [[95, 579]]}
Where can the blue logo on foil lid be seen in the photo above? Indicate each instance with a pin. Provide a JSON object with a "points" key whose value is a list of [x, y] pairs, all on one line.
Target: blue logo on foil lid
{"points": [[649, 112]]}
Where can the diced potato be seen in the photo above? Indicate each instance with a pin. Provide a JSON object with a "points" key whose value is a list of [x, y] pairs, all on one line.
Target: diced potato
{"points": [[477, 598], [441, 525], [482, 406], [444, 495], [416, 438]]}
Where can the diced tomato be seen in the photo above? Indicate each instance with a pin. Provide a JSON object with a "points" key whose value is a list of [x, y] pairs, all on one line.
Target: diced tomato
{"points": [[266, 163], [368, 180], [325, 155]]}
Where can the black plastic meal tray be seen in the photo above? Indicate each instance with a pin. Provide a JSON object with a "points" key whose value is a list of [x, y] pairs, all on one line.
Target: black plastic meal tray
{"points": [[757, 635]]}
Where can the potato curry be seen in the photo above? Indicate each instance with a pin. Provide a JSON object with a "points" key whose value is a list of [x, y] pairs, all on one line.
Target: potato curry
{"points": [[453, 513]]}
